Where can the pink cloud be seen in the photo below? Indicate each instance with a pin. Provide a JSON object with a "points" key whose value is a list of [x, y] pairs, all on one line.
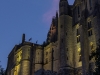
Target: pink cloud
{"points": [[47, 17]]}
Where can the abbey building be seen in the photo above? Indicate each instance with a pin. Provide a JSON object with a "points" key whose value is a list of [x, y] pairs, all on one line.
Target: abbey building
{"points": [[73, 35]]}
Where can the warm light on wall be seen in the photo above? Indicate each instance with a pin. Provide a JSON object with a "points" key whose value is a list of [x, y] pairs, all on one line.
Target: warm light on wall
{"points": [[18, 56]]}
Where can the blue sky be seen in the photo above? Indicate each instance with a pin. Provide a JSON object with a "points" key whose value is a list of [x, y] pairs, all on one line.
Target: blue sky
{"points": [[32, 17]]}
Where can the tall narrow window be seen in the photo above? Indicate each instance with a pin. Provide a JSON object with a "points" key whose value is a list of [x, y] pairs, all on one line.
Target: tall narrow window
{"points": [[78, 35], [80, 58], [78, 11], [90, 3], [77, 32]]}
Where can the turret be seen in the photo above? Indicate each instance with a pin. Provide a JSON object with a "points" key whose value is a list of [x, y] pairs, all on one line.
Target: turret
{"points": [[63, 7], [64, 35]]}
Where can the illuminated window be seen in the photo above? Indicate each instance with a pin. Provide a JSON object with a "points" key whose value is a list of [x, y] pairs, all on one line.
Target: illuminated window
{"points": [[91, 46], [80, 58]]}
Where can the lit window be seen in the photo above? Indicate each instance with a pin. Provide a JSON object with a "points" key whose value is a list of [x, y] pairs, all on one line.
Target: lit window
{"points": [[80, 57], [91, 46]]}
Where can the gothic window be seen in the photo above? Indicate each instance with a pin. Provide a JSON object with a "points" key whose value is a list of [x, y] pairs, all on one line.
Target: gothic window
{"points": [[78, 11], [89, 25], [89, 32], [89, 29]]}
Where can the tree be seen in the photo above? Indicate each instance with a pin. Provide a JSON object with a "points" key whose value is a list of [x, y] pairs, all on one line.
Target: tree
{"points": [[2, 71], [96, 54]]}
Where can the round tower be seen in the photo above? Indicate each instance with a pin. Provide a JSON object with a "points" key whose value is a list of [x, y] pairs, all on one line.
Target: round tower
{"points": [[65, 34]]}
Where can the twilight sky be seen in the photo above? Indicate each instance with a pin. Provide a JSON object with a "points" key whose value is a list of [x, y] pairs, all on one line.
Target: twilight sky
{"points": [[32, 17]]}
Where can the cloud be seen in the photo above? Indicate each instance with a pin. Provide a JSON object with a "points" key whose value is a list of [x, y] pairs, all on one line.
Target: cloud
{"points": [[47, 17]]}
